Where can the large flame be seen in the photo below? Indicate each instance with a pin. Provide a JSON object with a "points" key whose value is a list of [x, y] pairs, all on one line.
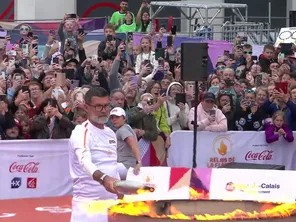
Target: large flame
{"points": [[147, 208]]}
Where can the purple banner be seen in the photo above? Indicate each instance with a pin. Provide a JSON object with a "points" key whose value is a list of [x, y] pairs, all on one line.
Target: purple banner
{"points": [[216, 48]]}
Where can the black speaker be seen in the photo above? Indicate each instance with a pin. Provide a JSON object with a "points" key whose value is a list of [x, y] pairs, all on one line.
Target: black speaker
{"points": [[194, 61], [257, 166], [292, 19]]}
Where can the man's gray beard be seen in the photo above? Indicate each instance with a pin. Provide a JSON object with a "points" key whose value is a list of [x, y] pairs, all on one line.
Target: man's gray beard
{"points": [[100, 120]]}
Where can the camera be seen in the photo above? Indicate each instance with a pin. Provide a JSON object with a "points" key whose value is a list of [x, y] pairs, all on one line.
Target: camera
{"points": [[150, 102]]}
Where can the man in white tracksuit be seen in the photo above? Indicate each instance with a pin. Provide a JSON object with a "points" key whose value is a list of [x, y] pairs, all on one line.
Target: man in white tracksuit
{"points": [[93, 158]]}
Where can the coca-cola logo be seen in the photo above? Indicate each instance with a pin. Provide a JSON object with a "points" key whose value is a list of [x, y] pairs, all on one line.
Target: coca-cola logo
{"points": [[31, 167], [264, 155]]}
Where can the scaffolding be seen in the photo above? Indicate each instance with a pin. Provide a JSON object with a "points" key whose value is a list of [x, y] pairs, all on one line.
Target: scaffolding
{"points": [[257, 33], [196, 10]]}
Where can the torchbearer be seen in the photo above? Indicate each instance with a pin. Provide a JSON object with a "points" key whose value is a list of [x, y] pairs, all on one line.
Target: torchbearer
{"points": [[93, 158]]}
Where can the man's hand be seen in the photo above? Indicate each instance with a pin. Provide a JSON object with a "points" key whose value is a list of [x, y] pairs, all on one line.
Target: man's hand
{"points": [[108, 184], [137, 169]]}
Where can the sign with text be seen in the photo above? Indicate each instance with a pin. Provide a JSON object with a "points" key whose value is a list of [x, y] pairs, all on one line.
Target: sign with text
{"points": [[253, 185]]}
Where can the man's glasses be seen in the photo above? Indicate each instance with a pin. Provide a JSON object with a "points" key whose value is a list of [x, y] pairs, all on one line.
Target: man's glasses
{"points": [[24, 29], [178, 51], [248, 52], [100, 108]]}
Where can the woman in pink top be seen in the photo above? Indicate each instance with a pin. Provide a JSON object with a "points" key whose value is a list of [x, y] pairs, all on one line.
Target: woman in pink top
{"points": [[209, 117]]}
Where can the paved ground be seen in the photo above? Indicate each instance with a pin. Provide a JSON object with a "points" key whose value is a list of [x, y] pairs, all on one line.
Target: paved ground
{"points": [[57, 209]]}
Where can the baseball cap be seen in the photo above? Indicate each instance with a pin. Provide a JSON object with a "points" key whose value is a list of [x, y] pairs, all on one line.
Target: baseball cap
{"points": [[70, 60], [209, 96], [117, 111]]}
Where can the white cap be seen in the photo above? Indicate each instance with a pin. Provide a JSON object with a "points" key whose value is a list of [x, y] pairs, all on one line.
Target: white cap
{"points": [[117, 111]]}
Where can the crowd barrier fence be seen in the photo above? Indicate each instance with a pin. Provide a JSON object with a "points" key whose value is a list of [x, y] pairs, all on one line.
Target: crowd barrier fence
{"points": [[40, 168]]}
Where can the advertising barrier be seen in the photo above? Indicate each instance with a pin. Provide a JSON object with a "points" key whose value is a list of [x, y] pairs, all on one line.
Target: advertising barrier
{"points": [[34, 168], [216, 184], [216, 149]]}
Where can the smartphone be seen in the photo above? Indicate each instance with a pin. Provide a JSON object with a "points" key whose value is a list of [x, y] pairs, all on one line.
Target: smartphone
{"points": [[134, 80], [286, 47], [2, 97], [25, 48], [150, 102], [72, 15], [130, 36], [3, 34], [35, 37], [282, 85], [9, 47], [180, 98], [254, 58], [80, 31], [163, 92], [281, 55], [30, 34], [100, 59], [25, 88], [55, 60], [169, 40], [159, 53], [69, 73], [79, 96], [109, 38], [12, 53], [52, 32], [174, 30], [161, 62], [213, 112], [74, 84], [3, 75]]}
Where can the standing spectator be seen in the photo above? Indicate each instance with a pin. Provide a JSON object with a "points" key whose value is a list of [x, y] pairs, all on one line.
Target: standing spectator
{"points": [[143, 19], [129, 25], [209, 118], [117, 18], [128, 152]]}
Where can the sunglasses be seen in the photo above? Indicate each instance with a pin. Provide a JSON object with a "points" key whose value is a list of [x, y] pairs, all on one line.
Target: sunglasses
{"points": [[178, 51], [220, 68], [249, 91], [248, 52], [24, 29], [225, 92]]}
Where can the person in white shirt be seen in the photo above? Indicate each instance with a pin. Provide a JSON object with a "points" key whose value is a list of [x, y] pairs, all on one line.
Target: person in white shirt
{"points": [[93, 158]]}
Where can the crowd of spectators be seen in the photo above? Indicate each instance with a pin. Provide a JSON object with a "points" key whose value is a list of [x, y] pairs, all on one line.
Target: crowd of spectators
{"points": [[43, 97]]}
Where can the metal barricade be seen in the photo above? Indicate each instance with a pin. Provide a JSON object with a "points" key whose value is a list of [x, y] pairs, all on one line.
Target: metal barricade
{"points": [[257, 33]]}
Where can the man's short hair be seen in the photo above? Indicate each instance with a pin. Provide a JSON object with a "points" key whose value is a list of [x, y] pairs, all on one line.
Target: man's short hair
{"points": [[109, 26], [95, 92], [247, 46], [269, 47]]}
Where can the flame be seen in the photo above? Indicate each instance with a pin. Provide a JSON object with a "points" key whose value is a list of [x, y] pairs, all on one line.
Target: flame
{"points": [[147, 209], [147, 179], [222, 150]]}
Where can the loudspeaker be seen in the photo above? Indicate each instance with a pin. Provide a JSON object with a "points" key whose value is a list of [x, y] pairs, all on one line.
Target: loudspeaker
{"points": [[292, 19], [194, 61], [253, 166]]}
